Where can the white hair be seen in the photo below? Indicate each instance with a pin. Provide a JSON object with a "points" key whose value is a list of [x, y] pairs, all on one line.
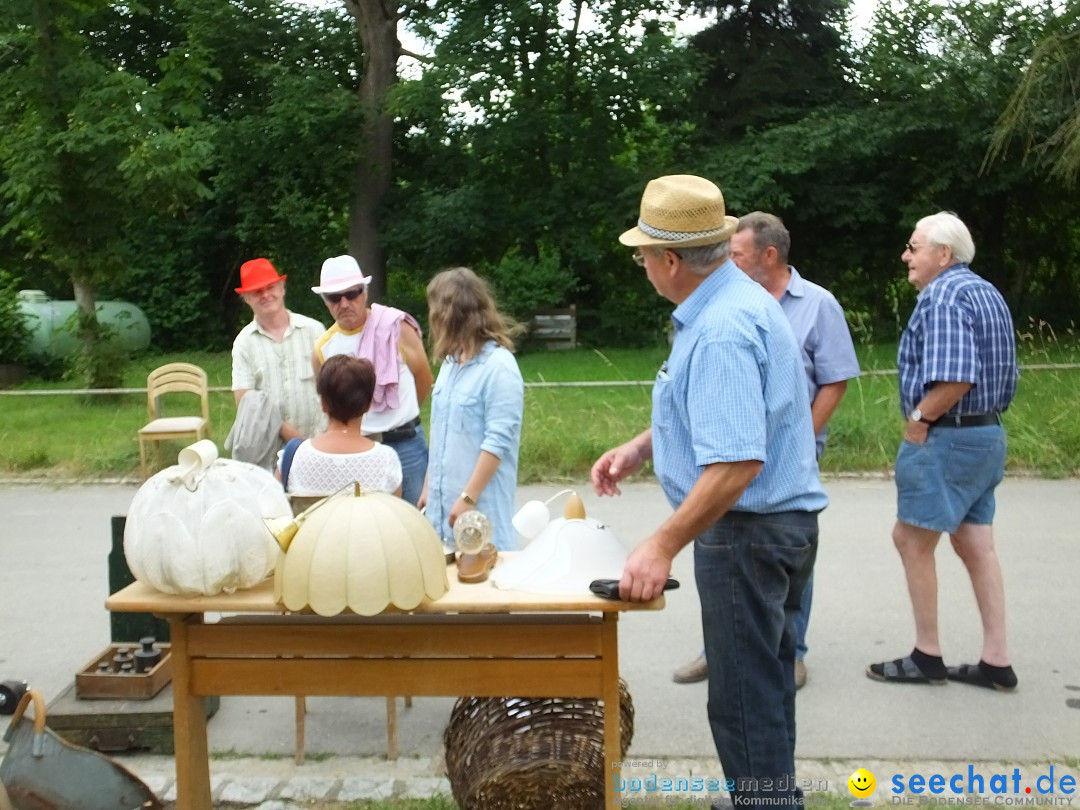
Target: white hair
{"points": [[947, 229]]}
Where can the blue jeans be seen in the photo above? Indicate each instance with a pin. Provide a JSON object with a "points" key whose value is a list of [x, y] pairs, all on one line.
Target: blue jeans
{"points": [[413, 455], [802, 618], [751, 570]]}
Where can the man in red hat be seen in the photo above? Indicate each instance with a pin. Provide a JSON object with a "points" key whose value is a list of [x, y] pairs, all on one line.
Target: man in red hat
{"points": [[272, 354]]}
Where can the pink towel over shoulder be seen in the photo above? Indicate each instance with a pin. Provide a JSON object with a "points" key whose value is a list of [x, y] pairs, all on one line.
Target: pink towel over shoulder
{"points": [[379, 344]]}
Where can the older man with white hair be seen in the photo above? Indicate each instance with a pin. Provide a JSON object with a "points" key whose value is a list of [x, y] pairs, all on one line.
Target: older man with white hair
{"points": [[958, 372]]}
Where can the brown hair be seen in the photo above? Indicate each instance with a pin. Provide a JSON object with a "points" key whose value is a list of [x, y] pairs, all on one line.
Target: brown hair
{"points": [[346, 385], [462, 315]]}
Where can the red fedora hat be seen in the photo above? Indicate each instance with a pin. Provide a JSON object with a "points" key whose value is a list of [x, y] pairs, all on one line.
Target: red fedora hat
{"points": [[256, 274]]}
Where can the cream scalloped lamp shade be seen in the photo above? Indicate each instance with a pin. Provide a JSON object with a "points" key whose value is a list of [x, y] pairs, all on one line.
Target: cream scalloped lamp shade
{"points": [[362, 552]]}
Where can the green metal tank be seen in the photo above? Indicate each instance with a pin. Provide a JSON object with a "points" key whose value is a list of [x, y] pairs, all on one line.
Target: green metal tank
{"points": [[50, 331]]}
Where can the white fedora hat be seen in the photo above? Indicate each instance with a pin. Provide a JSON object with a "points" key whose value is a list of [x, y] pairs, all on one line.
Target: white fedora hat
{"points": [[340, 273]]}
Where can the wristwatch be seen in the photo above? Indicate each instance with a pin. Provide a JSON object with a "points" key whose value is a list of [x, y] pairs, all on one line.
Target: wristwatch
{"points": [[465, 496], [916, 415]]}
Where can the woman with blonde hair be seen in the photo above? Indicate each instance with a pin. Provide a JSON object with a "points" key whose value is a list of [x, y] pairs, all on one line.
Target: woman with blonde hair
{"points": [[476, 407]]}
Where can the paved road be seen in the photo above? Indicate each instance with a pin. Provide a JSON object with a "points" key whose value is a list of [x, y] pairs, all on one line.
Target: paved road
{"points": [[53, 581]]}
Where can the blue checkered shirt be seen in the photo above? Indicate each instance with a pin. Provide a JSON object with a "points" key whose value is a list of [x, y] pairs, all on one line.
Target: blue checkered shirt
{"points": [[733, 389], [960, 331]]}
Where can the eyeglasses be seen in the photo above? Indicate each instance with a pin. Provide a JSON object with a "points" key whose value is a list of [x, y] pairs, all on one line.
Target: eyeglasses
{"points": [[348, 295], [639, 258], [912, 247]]}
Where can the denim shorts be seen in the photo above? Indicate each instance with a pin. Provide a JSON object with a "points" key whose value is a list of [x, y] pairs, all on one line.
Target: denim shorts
{"points": [[950, 479]]}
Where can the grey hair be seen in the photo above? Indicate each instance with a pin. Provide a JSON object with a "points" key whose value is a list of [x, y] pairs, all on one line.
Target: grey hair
{"points": [[700, 260], [947, 230], [769, 231]]}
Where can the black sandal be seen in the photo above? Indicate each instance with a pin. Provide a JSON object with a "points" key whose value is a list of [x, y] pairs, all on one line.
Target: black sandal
{"points": [[975, 675], [902, 670]]}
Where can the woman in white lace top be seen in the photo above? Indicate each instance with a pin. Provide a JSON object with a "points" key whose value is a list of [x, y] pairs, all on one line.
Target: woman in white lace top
{"points": [[342, 454]]}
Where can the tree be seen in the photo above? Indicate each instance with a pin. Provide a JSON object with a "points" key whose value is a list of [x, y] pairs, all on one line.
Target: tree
{"points": [[528, 139], [767, 62], [1044, 111], [852, 178], [84, 144], [377, 21]]}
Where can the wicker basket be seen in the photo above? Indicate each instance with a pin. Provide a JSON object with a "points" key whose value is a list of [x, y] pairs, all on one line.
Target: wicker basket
{"points": [[531, 753]]}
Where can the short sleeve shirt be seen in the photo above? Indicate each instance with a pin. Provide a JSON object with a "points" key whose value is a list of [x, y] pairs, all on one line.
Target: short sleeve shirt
{"points": [[733, 389], [960, 331], [314, 472], [282, 369]]}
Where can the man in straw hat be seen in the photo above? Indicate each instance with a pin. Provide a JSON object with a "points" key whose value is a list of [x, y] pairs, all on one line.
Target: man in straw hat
{"points": [[272, 355], [760, 249], [732, 444]]}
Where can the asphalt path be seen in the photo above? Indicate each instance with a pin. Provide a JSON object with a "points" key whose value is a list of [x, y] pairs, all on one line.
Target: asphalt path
{"points": [[54, 579]]}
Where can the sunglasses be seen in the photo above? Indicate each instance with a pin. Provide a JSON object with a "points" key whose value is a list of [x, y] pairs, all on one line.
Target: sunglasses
{"points": [[348, 295]]}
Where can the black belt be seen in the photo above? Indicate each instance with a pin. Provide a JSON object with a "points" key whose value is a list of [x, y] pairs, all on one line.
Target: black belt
{"points": [[967, 420], [398, 434]]}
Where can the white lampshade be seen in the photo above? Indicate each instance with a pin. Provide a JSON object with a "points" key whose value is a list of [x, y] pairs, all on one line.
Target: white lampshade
{"points": [[531, 519]]}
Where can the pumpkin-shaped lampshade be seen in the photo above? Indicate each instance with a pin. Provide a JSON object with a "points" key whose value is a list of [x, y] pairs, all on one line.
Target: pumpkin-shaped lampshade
{"points": [[361, 552], [197, 528]]}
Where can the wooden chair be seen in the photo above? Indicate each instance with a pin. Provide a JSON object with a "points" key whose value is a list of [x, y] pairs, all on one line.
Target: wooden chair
{"points": [[299, 504], [168, 379]]}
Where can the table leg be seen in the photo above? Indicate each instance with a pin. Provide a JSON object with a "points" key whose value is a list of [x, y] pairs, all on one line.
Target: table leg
{"points": [[189, 723], [609, 643]]}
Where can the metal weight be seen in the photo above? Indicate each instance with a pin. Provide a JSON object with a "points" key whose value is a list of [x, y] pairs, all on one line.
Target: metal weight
{"points": [[11, 693]]}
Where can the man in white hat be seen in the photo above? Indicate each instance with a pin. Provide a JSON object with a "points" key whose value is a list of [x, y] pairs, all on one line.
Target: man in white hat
{"points": [[392, 341], [732, 444], [271, 356]]}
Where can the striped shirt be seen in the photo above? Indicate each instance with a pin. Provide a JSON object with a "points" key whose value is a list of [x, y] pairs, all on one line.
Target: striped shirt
{"points": [[283, 370], [960, 331], [733, 389]]}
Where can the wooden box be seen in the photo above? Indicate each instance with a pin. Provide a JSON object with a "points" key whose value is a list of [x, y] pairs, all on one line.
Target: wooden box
{"points": [[118, 726], [94, 685]]}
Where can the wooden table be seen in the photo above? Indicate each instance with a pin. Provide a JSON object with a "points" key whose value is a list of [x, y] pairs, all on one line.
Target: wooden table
{"points": [[476, 640]]}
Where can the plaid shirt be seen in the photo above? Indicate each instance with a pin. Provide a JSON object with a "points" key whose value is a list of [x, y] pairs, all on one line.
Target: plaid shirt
{"points": [[960, 331]]}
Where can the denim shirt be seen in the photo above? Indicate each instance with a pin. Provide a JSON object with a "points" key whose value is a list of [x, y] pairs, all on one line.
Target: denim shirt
{"points": [[733, 389], [476, 405]]}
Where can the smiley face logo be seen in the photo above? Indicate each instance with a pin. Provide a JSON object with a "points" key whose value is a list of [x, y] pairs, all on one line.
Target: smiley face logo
{"points": [[861, 783]]}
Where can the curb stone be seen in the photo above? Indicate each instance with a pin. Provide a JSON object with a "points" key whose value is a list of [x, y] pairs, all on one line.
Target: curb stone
{"points": [[268, 784]]}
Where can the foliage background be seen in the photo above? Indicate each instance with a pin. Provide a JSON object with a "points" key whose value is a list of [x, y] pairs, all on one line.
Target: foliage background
{"points": [[148, 149]]}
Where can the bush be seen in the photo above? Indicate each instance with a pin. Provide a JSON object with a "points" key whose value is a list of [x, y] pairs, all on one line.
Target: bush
{"points": [[14, 332]]}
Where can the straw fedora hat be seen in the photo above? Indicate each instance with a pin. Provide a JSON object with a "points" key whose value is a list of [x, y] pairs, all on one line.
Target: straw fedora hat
{"points": [[681, 210]]}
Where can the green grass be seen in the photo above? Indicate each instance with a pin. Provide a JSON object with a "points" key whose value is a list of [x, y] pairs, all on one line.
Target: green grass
{"points": [[566, 429]]}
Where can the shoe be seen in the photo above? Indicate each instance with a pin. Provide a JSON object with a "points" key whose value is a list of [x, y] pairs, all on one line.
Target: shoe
{"points": [[800, 673], [973, 674], [902, 670], [696, 670], [476, 567]]}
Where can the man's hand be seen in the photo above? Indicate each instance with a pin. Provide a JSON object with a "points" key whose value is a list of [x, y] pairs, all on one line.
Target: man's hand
{"points": [[646, 572], [288, 431], [615, 465], [916, 432]]}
